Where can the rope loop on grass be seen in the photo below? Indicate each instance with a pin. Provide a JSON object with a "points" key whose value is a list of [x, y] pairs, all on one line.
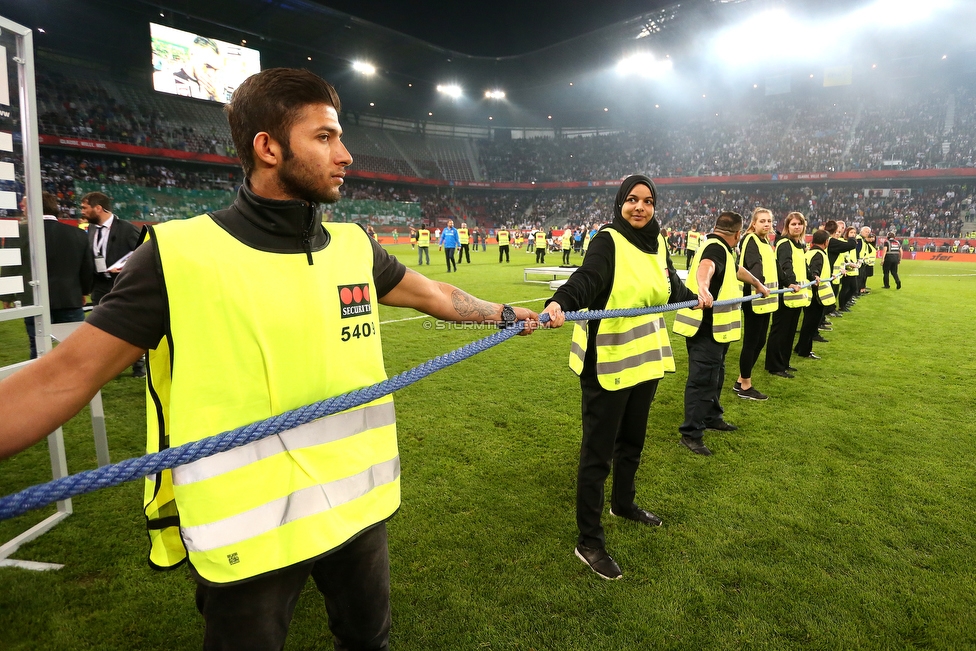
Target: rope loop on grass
{"points": [[118, 473]]}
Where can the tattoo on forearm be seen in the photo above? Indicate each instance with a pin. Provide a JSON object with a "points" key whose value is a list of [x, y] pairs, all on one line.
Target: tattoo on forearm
{"points": [[467, 305]]}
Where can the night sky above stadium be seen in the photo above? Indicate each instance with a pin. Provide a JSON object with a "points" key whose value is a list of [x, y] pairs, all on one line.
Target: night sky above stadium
{"points": [[500, 28]]}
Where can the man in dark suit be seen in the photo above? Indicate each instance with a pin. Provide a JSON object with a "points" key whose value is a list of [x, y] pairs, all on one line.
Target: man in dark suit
{"points": [[110, 239]]}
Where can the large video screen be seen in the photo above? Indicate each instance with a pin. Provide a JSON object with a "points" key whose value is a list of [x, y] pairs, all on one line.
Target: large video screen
{"points": [[197, 66]]}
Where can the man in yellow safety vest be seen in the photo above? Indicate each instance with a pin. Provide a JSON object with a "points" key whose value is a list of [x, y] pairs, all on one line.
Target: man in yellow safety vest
{"points": [[255, 522]]}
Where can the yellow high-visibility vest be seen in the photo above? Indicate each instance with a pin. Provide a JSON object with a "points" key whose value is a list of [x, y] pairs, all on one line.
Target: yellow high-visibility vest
{"points": [[567, 240], [502, 237], [802, 297], [694, 240], [423, 237], [726, 319], [825, 290], [630, 350], [462, 236], [540, 240], [770, 303], [226, 362]]}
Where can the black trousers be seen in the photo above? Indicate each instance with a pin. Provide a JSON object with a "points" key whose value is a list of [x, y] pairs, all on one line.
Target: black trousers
{"points": [[503, 250], [423, 252], [862, 277], [706, 375], [813, 315], [890, 266], [688, 256], [781, 334], [755, 327], [540, 254], [614, 427], [566, 253], [449, 254], [464, 252], [848, 289], [354, 580]]}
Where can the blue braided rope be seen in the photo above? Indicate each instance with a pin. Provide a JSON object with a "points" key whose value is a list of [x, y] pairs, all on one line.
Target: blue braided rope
{"points": [[130, 469]]}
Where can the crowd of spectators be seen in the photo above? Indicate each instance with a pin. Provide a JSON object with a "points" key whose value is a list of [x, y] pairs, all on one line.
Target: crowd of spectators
{"points": [[839, 130], [85, 109]]}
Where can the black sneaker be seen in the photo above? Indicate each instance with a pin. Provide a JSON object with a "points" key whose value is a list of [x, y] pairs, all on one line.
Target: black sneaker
{"points": [[640, 515], [811, 355], [821, 340], [599, 561], [836, 314], [825, 329], [737, 386], [752, 394], [825, 322], [792, 369], [782, 374], [695, 445]]}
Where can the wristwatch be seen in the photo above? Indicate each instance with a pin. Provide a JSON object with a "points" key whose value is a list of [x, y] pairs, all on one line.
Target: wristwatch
{"points": [[508, 317]]}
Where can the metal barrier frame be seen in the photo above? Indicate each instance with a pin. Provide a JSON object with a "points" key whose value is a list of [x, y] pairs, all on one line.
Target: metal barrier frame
{"points": [[40, 310]]}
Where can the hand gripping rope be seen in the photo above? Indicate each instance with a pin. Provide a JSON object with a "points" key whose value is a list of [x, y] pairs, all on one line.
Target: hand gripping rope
{"points": [[119, 473]]}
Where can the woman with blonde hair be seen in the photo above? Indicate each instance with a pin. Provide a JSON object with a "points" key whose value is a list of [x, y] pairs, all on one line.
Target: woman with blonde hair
{"points": [[759, 260], [791, 267]]}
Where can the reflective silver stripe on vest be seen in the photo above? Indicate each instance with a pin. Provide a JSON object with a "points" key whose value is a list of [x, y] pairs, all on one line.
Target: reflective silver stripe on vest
{"points": [[789, 298], [324, 430], [620, 338], [693, 320], [300, 504], [722, 309], [576, 349], [769, 300], [611, 368], [735, 325]]}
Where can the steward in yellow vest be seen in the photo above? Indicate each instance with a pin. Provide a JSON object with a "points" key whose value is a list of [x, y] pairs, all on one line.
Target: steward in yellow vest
{"points": [[791, 265], [849, 282], [567, 244], [866, 254], [502, 236], [822, 296], [464, 238], [758, 259], [256, 521], [423, 245], [540, 247], [619, 360], [586, 241], [692, 244], [713, 276]]}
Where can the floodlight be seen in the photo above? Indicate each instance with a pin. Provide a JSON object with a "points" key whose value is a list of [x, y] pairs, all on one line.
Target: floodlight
{"points": [[451, 90], [645, 65], [494, 94], [363, 67]]}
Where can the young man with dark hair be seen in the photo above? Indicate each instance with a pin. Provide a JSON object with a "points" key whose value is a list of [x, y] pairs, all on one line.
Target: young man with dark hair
{"points": [[255, 522], [713, 273]]}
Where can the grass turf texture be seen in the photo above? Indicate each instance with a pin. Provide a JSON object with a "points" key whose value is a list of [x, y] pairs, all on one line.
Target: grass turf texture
{"points": [[839, 516]]}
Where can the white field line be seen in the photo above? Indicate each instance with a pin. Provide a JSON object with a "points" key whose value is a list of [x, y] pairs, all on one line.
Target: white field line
{"points": [[427, 316]]}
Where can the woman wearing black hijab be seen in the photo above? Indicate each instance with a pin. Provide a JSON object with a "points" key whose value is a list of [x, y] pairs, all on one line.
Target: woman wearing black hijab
{"points": [[619, 360]]}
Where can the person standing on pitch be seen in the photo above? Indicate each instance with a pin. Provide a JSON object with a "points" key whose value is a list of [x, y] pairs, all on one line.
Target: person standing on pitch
{"points": [[866, 253], [837, 248], [253, 523], [759, 260], [413, 238], [822, 295], [540, 246], [848, 283], [449, 242], [619, 361], [463, 239], [714, 272], [567, 244], [892, 258], [692, 242], [423, 245], [502, 235], [791, 267]]}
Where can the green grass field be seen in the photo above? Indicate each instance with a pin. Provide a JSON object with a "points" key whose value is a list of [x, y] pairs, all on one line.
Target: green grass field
{"points": [[839, 516]]}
